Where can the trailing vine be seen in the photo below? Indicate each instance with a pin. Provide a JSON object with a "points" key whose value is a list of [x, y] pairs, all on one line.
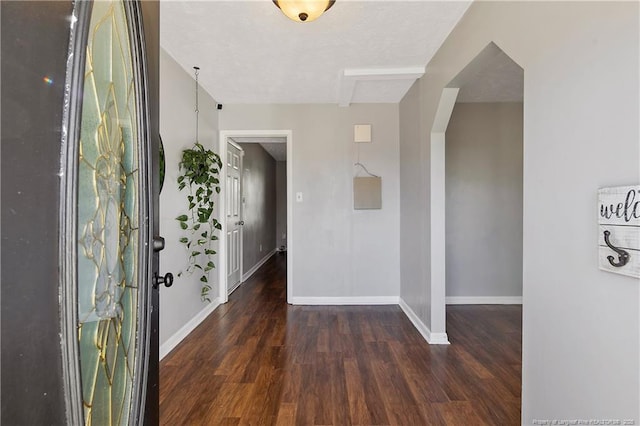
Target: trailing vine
{"points": [[200, 168]]}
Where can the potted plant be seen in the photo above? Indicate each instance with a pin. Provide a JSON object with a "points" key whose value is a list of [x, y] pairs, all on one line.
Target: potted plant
{"points": [[199, 170]]}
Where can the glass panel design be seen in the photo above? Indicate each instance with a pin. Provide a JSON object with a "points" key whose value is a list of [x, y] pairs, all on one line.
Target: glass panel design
{"points": [[108, 220]]}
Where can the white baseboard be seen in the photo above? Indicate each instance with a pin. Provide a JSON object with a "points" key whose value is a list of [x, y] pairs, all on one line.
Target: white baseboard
{"points": [[483, 300], [364, 300], [431, 338], [179, 335], [257, 266], [232, 289]]}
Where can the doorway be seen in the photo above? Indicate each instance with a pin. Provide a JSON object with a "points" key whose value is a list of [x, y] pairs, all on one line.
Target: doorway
{"points": [[263, 185], [480, 112], [483, 196], [257, 247]]}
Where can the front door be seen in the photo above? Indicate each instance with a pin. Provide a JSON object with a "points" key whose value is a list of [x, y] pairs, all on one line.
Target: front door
{"points": [[233, 203], [111, 215], [81, 118]]}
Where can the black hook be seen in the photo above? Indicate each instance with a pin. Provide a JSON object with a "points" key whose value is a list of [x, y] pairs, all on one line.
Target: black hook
{"points": [[623, 255]]}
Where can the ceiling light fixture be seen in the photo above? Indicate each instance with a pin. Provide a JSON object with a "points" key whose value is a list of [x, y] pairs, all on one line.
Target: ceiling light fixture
{"points": [[303, 10]]}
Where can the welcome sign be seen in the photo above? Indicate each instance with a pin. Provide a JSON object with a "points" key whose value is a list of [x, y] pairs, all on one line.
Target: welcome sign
{"points": [[619, 230]]}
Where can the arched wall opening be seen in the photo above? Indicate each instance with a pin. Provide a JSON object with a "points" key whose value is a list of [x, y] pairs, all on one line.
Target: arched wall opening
{"points": [[476, 187]]}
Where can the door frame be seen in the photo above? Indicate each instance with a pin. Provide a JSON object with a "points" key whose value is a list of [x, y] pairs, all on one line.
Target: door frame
{"points": [[224, 137], [437, 183], [438, 215]]}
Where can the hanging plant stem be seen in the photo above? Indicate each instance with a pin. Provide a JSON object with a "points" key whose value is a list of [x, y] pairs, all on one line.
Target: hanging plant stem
{"points": [[199, 170]]}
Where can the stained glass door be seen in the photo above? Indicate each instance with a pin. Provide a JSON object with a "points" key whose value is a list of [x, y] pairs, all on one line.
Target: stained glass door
{"points": [[110, 257]]}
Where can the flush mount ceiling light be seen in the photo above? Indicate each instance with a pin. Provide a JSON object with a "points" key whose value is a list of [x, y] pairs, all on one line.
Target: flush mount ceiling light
{"points": [[303, 10]]}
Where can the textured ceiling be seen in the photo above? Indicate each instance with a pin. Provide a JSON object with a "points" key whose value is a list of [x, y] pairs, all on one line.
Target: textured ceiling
{"points": [[358, 51], [277, 150], [275, 146], [492, 76]]}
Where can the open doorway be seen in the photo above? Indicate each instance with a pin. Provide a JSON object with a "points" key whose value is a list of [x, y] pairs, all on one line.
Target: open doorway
{"points": [[263, 158], [483, 183], [265, 204], [476, 187]]}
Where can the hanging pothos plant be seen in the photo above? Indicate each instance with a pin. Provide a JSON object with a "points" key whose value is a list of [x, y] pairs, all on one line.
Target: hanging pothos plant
{"points": [[199, 171]]}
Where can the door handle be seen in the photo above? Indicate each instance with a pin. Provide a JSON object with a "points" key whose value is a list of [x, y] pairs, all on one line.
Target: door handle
{"points": [[240, 223], [158, 280], [158, 244]]}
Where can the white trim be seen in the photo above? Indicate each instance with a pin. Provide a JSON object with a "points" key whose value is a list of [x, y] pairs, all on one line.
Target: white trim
{"points": [[235, 145], [484, 300], [351, 76], [431, 338], [223, 292], [241, 210], [257, 266], [224, 135], [439, 339], [179, 335], [438, 214], [406, 73], [289, 215], [364, 300], [234, 288]]}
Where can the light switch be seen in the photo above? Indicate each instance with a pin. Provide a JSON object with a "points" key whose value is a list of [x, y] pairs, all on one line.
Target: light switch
{"points": [[362, 133], [298, 197]]}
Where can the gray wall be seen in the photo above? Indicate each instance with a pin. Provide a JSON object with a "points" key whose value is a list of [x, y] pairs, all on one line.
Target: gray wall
{"points": [[581, 325], [337, 252], [259, 206], [484, 200], [415, 262], [281, 203], [180, 303]]}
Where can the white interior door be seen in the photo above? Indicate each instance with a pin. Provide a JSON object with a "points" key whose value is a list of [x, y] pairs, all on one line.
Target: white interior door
{"points": [[233, 191]]}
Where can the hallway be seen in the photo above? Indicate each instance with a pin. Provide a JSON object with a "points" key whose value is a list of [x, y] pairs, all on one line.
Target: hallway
{"points": [[257, 360]]}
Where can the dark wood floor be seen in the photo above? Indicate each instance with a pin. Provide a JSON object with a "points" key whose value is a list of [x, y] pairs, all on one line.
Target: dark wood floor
{"points": [[257, 360]]}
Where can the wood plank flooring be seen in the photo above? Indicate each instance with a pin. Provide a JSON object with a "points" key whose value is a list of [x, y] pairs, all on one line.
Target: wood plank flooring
{"points": [[258, 361]]}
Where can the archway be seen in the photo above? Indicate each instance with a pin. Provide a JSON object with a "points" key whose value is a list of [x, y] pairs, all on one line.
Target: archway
{"points": [[485, 85]]}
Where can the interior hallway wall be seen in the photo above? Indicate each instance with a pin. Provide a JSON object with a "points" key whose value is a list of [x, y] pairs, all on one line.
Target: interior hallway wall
{"points": [[340, 255], [258, 206], [180, 303], [484, 200], [415, 259], [281, 203]]}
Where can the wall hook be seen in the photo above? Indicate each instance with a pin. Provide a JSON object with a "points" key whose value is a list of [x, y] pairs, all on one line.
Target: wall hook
{"points": [[623, 255]]}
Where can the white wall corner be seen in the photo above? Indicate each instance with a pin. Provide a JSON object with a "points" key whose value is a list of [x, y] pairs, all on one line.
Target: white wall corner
{"points": [[438, 202], [257, 266], [181, 334], [431, 338], [347, 87]]}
